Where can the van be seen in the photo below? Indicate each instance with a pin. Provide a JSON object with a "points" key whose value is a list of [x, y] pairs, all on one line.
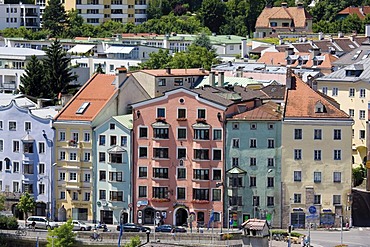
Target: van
{"points": [[41, 222]]}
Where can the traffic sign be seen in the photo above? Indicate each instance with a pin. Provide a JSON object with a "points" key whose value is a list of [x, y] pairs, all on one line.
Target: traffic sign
{"points": [[312, 210], [312, 216]]}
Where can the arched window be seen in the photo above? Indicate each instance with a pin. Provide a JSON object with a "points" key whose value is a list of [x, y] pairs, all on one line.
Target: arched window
{"points": [[7, 163]]}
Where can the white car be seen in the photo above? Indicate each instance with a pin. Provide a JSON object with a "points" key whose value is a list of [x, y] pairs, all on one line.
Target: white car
{"points": [[80, 226], [41, 222]]}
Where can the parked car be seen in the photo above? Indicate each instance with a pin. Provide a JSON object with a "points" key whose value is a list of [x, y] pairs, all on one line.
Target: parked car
{"points": [[168, 228], [41, 222], [132, 227], [80, 226]]}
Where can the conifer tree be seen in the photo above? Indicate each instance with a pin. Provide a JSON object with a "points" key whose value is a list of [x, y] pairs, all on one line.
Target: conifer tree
{"points": [[32, 81]]}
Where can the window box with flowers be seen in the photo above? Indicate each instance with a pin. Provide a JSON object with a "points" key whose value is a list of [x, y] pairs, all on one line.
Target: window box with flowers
{"points": [[182, 119], [72, 143], [160, 119], [200, 201], [201, 120], [160, 200]]}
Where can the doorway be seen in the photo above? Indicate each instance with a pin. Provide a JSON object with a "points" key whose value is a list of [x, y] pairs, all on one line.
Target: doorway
{"points": [[124, 218], [181, 216], [149, 216], [106, 216]]}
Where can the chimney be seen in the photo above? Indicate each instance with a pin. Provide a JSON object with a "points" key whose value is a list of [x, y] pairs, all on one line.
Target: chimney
{"points": [[289, 79], [340, 34], [352, 37], [300, 5], [244, 49], [230, 63], [221, 78], [284, 5], [289, 51], [315, 52], [39, 103], [121, 75], [212, 81], [321, 36], [168, 70]]}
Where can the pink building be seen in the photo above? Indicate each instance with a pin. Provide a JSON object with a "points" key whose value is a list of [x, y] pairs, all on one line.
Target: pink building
{"points": [[178, 159]]}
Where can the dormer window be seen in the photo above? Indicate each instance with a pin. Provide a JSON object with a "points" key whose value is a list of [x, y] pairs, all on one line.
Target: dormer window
{"points": [[319, 107], [83, 108], [353, 73]]}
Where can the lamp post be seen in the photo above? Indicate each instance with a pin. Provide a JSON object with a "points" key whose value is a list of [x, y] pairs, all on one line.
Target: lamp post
{"points": [[48, 196]]}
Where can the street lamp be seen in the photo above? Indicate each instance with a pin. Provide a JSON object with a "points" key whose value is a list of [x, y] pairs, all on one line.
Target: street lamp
{"points": [[48, 197]]}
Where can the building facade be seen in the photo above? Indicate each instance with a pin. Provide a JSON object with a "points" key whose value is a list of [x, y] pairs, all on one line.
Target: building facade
{"points": [[19, 15]]}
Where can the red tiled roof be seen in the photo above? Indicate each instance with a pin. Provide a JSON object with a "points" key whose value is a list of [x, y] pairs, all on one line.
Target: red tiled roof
{"points": [[267, 111], [176, 72], [361, 12], [273, 58], [254, 224], [97, 91], [298, 14], [301, 101]]}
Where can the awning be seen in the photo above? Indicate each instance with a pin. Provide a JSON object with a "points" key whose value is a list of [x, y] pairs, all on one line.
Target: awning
{"points": [[119, 49], [81, 48], [28, 138], [160, 125], [116, 149], [201, 126]]}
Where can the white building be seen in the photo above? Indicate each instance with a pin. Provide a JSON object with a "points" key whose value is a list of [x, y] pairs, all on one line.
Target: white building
{"points": [[19, 15]]}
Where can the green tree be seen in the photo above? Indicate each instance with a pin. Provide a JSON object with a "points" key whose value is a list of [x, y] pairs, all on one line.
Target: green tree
{"points": [[75, 22], [57, 69], [358, 174], [203, 40], [99, 69], [134, 242], [62, 236], [54, 17], [157, 60], [26, 204], [352, 23], [2, 202], [32, 81], [211, 14]]}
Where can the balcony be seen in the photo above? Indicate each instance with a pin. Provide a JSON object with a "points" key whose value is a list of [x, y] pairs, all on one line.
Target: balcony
{"points": [[200, 201], [10, 85], [160, 199], [72, 143]]}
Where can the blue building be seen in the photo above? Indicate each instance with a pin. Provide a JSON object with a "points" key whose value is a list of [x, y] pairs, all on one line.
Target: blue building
{"points": [[253, 164], [112, 164], [26, 153]]}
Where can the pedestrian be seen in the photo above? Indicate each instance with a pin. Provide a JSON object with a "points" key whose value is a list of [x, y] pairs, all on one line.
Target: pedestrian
{"points": [[303, 241], [173, 233]]}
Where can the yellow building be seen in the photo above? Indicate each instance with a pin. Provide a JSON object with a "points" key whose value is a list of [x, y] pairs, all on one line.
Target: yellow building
{"points": [[316, 158], [349, 86], [94, 103]]}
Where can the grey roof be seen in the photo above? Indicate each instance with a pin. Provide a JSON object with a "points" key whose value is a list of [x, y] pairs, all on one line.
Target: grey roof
{"points": [[241, 81], [354, 56], [46, 112], [17, 51], [236, 170], [275, 91], [340, 75], [19, 99], [116, 149], [250, 67], [125, 120], [28, 138]]}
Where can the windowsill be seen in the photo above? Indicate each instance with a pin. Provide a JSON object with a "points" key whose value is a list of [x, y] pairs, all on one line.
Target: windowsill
{"points": [[198, 160], [160, 139], [200, 180], [144, 157], [200, 140], [154, 178], [156, 158]]}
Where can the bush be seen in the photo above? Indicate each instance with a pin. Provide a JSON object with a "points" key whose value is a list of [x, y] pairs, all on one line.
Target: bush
{"points": [[6, 222], [227, 236]]}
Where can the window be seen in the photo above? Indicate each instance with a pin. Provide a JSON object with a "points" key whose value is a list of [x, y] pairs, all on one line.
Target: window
{"points": [[161, 112], [86, 137], [297, 154], [335, 91], [270, 143], [216, 195], [317, 199], [362, 114], [1, 125], [181, 173], [41, 147], [362, 134], [1, 145], [160, 192], [235, 126], [62, 136], [351, 112], [201, 114], [143, 172], [336, 199], [72, 176], [252, 181], [12, 126], [217, 134], [27, 169], [181, 113], [181, 133], [162, 82], [160, 172], [297, 198], [270, 161], [337, 134], [16, 146], [337, 154], [325, 90], [201, 194], [124, 141], [116, 196], [252, 143], [362, 93], [181, 153], [160, 153], [201, 154], [235, 161], [112, 126], [270, 182], [351, 92], [41, 168], [216, 174], [16, 187], [252, 161], [75, 136], [7, 165], [102, 194], [62, 176], [201, 134], [41, 188], [201, 174], [160, 133], [15, 167], [270, 201], [102, 175], [72, 156], [217, 155], [113, 140], [236, 182], [62, 195], [317, 177], [87, 156], [298, 134], [75, 196], [337, 177], [27, 126], [101, 157], [87, 177], [115, 176], [143, 152], [87, 196], [235, 143], [317, 155], [253, 126], [143, 132], [28, 147], [317, 134], [297, 176], [102, 140], [142, 191], [181, 194], [256, 201]]}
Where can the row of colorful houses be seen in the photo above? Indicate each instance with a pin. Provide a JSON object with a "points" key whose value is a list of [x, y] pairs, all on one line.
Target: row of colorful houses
{"points": [[151, 146]]}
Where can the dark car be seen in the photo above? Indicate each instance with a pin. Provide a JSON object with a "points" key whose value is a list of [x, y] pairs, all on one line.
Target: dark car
{"points": [[132, 227], [168, 228]]}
